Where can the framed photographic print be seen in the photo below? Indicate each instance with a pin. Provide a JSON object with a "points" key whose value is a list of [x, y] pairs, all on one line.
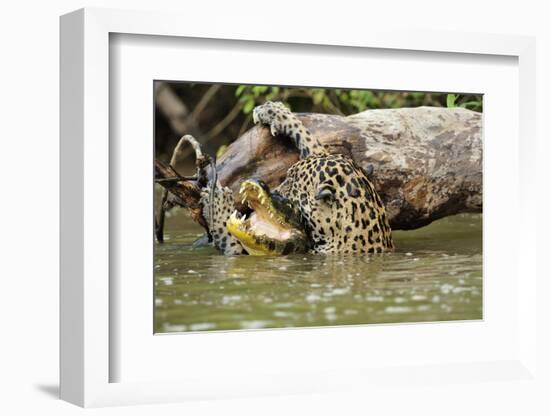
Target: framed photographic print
{"points": [[303, 231], [234, 225]]}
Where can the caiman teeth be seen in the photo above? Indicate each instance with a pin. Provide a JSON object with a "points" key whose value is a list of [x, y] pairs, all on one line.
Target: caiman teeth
{"points": [[244, 196]]}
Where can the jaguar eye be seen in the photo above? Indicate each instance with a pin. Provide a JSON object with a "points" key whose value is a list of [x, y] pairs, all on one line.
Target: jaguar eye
{"points": [[325, 194]]}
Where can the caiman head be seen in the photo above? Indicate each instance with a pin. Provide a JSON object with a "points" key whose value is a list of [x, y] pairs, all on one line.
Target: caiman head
{"points": [[273, 225]]}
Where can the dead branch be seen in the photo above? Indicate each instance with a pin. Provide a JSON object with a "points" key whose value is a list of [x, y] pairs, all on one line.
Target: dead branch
{"points": [[205, 99], [186, 189], [226, 121], [175, 111]]}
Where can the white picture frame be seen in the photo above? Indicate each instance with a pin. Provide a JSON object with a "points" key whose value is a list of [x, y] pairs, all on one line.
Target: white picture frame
{"points": [[86, 354]]}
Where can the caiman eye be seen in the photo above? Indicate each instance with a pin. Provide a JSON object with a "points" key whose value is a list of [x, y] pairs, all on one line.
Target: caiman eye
{"points": [[264, 186]]}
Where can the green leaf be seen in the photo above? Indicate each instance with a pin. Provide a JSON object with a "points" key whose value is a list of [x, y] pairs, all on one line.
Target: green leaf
{"points": [[273, 94], [451, 100], [258, 90], [221, 150], [318, 96], [246, 96], [248, 106], [239, 90], [471, 104]]}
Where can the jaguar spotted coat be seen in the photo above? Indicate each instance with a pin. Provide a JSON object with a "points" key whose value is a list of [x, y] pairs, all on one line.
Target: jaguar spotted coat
{"points": [[340, 209]]}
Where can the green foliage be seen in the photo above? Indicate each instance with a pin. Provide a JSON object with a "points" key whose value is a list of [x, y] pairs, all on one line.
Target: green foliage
{"points": [[458, 100], [345, 102], [451, 100], [359, 100], [474, 105], [232, 105], [252, 95]]}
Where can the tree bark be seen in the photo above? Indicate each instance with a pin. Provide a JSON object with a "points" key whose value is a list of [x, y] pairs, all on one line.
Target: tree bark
{"points": [[427, 161]]}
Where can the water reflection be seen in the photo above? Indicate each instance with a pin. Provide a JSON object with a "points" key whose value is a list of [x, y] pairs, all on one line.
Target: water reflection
{"points": [[434, 275]]}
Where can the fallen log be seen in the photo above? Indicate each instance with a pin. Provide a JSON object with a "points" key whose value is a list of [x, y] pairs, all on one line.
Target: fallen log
{"points": [[426, 161]]}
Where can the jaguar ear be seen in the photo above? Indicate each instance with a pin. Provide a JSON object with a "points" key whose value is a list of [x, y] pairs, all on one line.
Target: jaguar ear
{"points": [[325, 194]]}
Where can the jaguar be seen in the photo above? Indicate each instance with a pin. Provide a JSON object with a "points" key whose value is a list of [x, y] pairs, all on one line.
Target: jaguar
{"points": [[325, 205]]}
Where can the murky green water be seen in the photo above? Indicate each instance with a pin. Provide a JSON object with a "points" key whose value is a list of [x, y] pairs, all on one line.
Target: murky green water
{"points": [[435, 275]]}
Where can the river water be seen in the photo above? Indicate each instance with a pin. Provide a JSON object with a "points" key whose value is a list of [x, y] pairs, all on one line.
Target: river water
{"points": [[435, 274]]}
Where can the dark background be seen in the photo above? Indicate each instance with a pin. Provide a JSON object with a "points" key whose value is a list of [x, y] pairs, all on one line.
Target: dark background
{"points": [[217, 114]]}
